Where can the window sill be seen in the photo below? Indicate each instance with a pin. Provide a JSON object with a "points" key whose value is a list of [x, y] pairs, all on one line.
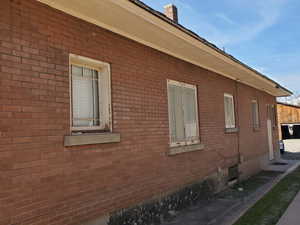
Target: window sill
{"points": [[89, 139], [256, 129], [185, 149], [231, 130]]}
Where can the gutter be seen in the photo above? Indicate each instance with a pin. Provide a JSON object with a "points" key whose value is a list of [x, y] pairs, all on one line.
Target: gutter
{"points": [[207, 43]]}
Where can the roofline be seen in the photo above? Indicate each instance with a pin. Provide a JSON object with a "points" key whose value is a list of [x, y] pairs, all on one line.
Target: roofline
{"points": [[204, 41], [288, 104]]}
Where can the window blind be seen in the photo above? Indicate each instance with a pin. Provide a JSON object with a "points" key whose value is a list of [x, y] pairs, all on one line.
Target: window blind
{"points": [[85, 97]]}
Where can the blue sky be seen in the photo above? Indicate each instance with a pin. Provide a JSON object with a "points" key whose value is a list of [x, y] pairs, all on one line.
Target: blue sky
{"points": [[264, 34]]}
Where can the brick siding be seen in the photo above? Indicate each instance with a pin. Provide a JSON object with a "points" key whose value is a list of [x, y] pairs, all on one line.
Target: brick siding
{"points": [[42, 182]]}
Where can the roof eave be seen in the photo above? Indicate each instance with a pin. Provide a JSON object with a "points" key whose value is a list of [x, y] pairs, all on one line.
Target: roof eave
{"points": [[141, 23], [204, 41]]}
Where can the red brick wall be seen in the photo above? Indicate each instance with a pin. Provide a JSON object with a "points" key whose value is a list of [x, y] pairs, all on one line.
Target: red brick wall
{"points": [[44, 183]]}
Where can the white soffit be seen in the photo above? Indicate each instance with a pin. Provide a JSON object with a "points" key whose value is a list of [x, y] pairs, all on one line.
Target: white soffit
{"points": [[128, 19]]}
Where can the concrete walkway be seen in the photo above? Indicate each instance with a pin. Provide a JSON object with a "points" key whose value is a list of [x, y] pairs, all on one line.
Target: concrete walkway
{"points": [[291, 216], [228, 205]]}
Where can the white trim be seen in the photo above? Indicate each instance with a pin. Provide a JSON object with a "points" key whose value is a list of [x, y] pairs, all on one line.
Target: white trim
{"points": [[88, 139], [104, 85], [88, 62], [185, 149], [228, 95], [185, 85], [181, 84], [233, 105]]}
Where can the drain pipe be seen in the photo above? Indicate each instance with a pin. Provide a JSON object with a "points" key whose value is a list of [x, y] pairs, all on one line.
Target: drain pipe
{"points": [[238, 121]]}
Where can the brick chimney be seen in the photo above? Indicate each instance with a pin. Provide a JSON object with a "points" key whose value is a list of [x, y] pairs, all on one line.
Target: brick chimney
{"points": [[171, 12]]}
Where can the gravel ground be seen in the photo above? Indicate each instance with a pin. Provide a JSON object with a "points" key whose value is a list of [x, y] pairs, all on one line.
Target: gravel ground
{"points": [[215, 211]]}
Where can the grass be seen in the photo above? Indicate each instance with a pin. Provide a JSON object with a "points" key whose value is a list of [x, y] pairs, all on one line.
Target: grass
{"points": [[269, 209]]}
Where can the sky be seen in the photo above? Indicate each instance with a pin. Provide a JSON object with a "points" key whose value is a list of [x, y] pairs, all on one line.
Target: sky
{"points": [[264, 34]]}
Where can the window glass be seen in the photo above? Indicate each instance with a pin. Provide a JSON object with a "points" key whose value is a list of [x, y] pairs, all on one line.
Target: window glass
{"points": [[85, 97], [255, 114], [183, 114], [90, 95], [229, 111]]}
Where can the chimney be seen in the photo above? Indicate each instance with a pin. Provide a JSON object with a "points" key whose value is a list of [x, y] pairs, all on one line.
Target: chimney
{"points": [[171, 12]]}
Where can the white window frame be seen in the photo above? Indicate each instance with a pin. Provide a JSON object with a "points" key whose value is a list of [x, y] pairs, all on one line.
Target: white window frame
{"points": [[183, 143], [230, 126], [104, 78], [254, 101]]}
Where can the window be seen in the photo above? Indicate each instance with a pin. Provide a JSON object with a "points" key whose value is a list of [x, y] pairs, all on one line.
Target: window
{"points": [[229, 111], [90, 98], [183, 114], [255, 114]]}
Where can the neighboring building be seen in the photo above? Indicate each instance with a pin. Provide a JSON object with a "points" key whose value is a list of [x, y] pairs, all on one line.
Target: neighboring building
{"points": [[106, 104], [288, 121]]}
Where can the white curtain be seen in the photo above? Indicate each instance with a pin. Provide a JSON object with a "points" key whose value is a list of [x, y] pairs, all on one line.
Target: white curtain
{"points": [[183, 114], [190, 113], [176, 113], [229, 112], [255, 115]]}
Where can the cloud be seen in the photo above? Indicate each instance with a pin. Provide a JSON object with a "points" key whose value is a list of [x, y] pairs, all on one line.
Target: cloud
{"points": [[268, 12], [291, 81], [225, 18], [264, 15]]}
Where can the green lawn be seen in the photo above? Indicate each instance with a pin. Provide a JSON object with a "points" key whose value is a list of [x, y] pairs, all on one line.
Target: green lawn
{"points": [[269, 209]]}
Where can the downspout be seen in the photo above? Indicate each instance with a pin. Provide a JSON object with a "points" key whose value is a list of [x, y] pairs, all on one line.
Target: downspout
{"points": [[238, 121]]}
